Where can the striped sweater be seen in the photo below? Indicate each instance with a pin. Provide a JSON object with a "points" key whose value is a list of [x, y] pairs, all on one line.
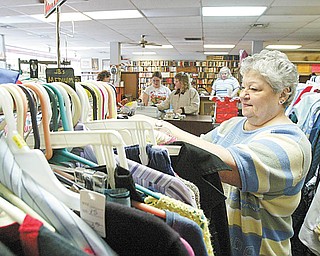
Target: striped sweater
{"points": [[272, 162]]}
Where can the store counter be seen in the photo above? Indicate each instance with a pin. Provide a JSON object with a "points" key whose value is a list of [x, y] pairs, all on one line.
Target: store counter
{"points": [[194, 124]]}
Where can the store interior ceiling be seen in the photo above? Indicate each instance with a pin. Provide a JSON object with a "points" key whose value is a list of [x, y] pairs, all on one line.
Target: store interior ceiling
{"points": [[178, 23]]}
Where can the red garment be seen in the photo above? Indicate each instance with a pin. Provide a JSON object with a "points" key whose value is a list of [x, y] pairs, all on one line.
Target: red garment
{"points": [[29, 232]]}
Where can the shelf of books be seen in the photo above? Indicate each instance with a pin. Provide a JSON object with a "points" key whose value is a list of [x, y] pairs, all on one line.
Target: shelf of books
{"points": [[203, 73]]}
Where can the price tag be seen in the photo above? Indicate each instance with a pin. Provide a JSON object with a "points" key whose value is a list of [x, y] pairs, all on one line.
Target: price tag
{"points": [[92, 210]]}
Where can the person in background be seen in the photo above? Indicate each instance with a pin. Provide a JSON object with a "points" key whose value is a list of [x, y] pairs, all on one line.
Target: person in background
{"points": [[268, 154], [225, 85], [156, 92], [184, 99], [104, 76]]}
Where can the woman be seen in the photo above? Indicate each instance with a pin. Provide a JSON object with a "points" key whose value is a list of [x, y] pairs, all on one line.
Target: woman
{"points": [[156, 92], [184, 99], [225, 84], [268, 154], [104, 76]]}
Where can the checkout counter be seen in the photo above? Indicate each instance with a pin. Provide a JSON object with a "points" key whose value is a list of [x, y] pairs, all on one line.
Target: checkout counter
{"points": [[196, 125]]}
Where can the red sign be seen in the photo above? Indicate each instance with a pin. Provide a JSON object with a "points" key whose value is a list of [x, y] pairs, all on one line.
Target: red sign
{"points": [[315, 68], [51, 5]]}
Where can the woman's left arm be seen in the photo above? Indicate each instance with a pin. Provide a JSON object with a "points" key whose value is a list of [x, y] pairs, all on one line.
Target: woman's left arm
{"points": [[194, 102]]}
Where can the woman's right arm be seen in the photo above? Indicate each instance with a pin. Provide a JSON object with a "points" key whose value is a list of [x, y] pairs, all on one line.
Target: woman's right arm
{"points": [[145, 98]]}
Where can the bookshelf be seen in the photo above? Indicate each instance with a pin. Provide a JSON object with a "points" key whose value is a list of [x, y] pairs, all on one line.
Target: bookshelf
{"points": [[203, 73]]}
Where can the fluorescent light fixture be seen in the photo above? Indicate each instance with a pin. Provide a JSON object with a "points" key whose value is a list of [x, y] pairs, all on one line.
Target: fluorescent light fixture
{"points": [[164, 46], [227, 46], [233, 11], [143, 53], [283, 46], [71, 16], [215, 53], [112, 15]]}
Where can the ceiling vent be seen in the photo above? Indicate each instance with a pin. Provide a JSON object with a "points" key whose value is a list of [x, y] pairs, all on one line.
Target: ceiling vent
{"points": [[259, 25], [193, 38]]}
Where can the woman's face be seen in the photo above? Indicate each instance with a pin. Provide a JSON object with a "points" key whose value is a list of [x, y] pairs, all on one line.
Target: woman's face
{"points": [[177, 84], [260, 103], [156, 82], [224, 75], [106, 79]]}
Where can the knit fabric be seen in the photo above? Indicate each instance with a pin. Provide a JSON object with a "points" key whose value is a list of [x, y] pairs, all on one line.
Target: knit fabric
{"points": [[197, 215]]}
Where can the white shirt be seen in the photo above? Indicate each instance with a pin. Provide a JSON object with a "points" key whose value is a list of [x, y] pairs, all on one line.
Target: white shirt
{"points": [[225, 87], [157, 95]]}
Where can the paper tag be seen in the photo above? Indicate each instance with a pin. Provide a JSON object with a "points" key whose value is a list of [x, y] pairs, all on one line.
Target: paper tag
{"points": [[18, 140], [92, 210]]}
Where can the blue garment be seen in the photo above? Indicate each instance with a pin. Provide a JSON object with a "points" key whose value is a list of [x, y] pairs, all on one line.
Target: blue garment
{"points": [[189, 230], [158, 158]]}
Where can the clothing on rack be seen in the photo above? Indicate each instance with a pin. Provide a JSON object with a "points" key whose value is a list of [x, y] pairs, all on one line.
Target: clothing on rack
{"points": [[160, 182], [309, 232], [66, 222], [189, 230], [196, 215], [32, 238], [158, 158], [134, 232], [201, 168]]}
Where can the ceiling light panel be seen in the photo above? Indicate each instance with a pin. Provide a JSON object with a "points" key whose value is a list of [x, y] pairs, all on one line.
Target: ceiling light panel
{"points": [[219, 46], [233, 11], [110, 15], [283, 46]]}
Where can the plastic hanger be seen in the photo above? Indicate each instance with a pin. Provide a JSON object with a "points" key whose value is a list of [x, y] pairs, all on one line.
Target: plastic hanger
{"points": [[76, 104], [85, 104], [173, 150], [46, 116], [14, 212], [105, 99], [33, 113], [62, 154], [63, 114], [136, 131], [99, 96], [67, 105], [112, 107], [94, 101], [19, 104], [54, 108], [19, 203], [148, 208], [103, 143], [33, 160]]}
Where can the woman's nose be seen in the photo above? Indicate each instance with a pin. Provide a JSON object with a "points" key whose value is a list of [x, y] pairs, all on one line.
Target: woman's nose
{"points": [[243, 93]]}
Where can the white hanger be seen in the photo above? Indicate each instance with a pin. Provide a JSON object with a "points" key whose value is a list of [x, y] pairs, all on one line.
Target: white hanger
{"points": [[33, 160], [14, 212], [19, 103], [76, 104], [137, 131], [85, 104], [103, 143]]}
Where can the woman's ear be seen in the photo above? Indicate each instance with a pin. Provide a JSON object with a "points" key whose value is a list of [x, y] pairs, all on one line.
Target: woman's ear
{"points": [[284, 95]]}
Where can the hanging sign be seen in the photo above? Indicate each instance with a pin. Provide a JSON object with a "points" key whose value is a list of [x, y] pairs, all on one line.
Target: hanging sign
{"points": [[51, 5], [63, 75]]}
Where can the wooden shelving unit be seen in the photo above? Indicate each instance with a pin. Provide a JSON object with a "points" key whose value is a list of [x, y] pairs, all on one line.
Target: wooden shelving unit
{"points": [[202, 72]]}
